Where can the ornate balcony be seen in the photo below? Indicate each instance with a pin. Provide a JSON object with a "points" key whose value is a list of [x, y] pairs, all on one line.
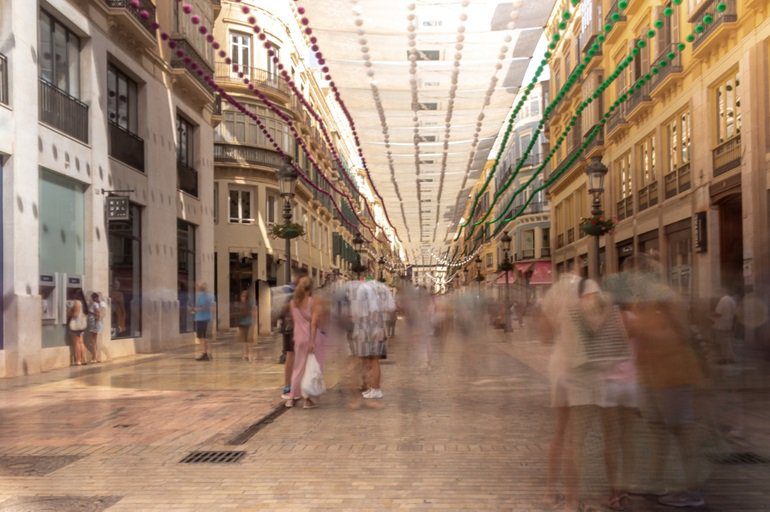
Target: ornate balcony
{"points": [[129, 22], [669, 71], [625, 207], [616, 120], [721, 21], [677, 181], [194, 79], [637, 101], [63, 112], [648, 196], [727, 156], [126, 147], [247, 155], [266, 81]]}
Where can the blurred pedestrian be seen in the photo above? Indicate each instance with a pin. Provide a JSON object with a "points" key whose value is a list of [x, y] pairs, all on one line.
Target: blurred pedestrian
{"points": [[96, 313], [301, 306], [202, 311], [246, 315], [724, 326], [287, 335], [77, 323]]}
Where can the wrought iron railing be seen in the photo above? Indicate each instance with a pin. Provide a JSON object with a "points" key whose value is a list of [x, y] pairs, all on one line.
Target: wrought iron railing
{"points": [[545, 252], [560, 240], [187, 179], [3, 79], [62, 111], [727, 155], [637, 98], [570, 235], [258, 76], [648, 196], [614, 9], [625, 207], [617, 118], [144, 5], [677, 181], [189, 52], [126, 147], [527, 254], [729, 15], [247, 155], [673, 65]]}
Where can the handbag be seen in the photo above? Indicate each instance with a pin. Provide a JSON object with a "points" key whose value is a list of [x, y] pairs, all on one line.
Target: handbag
{"points": [[78, 323], [313, 381]]}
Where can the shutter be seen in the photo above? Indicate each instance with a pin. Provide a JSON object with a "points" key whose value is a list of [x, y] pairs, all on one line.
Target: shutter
{"points": [[645, 54], [662, 35], [674, 19]]}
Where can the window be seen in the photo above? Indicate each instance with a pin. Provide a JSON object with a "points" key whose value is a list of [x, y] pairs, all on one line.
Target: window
{"points": [[59, 55], [679, 141], [216, 203], [122, 100], [241, 199], [271, 69], [240, 50], [184, 143], [728, 103], [272, 208], [125, 246], [623, 171], [647, 163], [185, 239]]}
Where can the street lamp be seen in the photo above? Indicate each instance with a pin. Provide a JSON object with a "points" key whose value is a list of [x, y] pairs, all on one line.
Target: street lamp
{"points": [[479, 277], [465, 276], [595, 173], [505, 240], [381, 261], [287, 181], [358, 246]]}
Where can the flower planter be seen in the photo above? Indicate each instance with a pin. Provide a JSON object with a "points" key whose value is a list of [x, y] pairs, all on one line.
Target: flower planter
{"points": [[287, 232], [594, 229]]}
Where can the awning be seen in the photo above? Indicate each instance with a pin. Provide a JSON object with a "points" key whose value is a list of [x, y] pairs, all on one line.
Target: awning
{"points": [[511, 278], [524, 267], [542, 274]]}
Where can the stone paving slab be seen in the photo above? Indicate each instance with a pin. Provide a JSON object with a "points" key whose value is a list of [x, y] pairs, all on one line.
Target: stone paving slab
{"points": [[468, 431]]}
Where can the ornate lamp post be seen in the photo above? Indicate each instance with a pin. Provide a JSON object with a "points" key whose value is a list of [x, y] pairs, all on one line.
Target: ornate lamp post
{"points": [[479, 277], [381, 262], [287, 181], [505, 240], [596, 227], [465, 276], [358, 246]]}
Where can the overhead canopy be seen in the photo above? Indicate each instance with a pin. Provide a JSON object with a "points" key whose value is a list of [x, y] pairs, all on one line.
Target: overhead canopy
{"points": [[542, 274], [429, 84]]}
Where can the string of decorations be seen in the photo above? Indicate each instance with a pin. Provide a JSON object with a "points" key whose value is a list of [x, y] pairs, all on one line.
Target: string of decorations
{"points": [[699, 28], [562, 25], [187, 10], [196, 69], [338, 97]]}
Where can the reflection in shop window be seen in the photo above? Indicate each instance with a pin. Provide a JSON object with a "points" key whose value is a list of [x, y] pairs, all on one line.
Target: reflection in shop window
{"points": [[126, 275]]}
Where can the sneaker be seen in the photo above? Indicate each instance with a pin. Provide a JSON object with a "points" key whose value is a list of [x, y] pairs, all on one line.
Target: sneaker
{"points": [[682, 499], [204, 357], [375, 394]]}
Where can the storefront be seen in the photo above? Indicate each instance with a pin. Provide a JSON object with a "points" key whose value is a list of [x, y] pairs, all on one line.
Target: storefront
{"points": [[679, 256], [125, 243], [649, 244]]}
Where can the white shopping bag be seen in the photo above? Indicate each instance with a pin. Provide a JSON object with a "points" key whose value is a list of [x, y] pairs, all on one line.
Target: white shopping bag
{"points": [[313, 380]]}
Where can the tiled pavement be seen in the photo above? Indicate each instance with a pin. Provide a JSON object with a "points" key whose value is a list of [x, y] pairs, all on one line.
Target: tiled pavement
{"points": [[469, 431]]}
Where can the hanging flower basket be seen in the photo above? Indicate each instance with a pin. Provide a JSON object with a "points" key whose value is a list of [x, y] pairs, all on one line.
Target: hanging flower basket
{"points": [[505, 266], [596, 226], [286, 231]]}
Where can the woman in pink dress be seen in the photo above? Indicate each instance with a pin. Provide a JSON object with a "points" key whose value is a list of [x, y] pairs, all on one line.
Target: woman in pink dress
{"points": [[301, 307]]}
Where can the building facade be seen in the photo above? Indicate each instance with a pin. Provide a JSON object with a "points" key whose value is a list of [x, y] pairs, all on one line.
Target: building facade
{"points": [[92, 106], [687, 152], [247, 201]]}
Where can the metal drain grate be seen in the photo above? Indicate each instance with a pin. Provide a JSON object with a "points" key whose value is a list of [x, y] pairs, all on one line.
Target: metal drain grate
{"points": [[739, 458], [215, 457], [252, 429]]}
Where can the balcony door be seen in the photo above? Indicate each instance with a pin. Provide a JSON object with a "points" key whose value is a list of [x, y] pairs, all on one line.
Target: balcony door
{"points": [[240, 50]]}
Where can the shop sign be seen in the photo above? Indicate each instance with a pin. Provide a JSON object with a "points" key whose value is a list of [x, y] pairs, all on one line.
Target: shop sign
{"points": [[701, 233], [118, 208]]}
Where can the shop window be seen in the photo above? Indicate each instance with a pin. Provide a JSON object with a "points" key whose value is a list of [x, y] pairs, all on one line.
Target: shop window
{"points": [[186, 274], [125, 244]]}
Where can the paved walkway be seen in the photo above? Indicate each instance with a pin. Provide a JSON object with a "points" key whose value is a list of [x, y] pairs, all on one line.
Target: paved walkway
{"points": [[464, 425]]}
